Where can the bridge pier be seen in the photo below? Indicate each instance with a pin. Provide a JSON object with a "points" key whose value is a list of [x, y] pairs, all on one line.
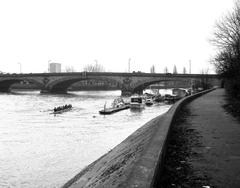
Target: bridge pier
{"points": [[44, 91], [5, 89], [48, 91], [126, 93]]}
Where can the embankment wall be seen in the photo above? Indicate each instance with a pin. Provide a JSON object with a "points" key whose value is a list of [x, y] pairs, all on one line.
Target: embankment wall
{"points": [[137, 160]]}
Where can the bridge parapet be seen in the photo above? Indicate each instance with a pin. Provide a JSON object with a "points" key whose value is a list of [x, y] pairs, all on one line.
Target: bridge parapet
{"points": [[128, 83]]}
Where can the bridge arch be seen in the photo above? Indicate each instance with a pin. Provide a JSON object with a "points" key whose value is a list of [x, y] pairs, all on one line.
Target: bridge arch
{"points": [[62, 85], [140, 86], [5, 84]]}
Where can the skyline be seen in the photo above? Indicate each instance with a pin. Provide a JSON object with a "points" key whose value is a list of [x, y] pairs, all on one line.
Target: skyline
{"points": [[78, 33]]}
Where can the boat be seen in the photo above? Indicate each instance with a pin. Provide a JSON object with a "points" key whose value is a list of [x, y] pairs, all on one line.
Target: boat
{"points": [[149, 102], [158, 98], [168, 98], [136, 102], [113, 110], [180, 92], [61, 109], [117, 105]]}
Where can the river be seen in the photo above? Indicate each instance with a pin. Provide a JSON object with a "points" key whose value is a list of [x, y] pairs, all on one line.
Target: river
{"points": [[39, 149]]}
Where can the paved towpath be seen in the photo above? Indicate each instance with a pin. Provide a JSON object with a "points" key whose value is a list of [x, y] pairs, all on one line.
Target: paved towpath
{"points": [[219, 134]]}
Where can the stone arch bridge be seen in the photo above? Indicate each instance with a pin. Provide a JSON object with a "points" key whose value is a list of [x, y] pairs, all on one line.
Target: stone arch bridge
{"points": [[128, 83]]}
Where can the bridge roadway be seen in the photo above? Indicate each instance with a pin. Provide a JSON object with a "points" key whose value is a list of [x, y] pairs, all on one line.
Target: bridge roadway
{"points": [[128, 83]]}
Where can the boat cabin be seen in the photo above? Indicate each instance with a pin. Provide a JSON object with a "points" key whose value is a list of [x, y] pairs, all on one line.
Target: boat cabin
{"points": [[136, 99]]}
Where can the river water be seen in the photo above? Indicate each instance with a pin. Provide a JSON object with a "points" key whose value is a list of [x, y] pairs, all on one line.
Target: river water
{"points": [[39, 149]]}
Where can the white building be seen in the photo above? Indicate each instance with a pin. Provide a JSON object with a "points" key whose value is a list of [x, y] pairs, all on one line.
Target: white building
{"points": [[55, 67]]}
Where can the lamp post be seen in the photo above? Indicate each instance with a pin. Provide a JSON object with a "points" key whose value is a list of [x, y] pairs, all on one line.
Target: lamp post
{"points": [[190, 66], [20, 67], [129, 62], [49, 65]]}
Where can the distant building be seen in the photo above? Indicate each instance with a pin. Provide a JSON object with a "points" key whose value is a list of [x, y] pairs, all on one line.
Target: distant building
{"points": [[55, 67]]}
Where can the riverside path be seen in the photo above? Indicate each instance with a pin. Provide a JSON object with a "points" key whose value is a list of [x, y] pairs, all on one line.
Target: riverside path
{"points": [[214, 150]]}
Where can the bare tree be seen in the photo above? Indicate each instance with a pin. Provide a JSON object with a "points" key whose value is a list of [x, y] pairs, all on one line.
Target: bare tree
{"points": [[165, 70], [94, 68], [184, 70], [204, 80], [227, 40], [174, 69], [204, 71], [152, 69], [227, 30], [69, 69]]}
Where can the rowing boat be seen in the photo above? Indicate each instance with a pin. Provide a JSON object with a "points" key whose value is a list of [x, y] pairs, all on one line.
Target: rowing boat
{"points": [[61, 111]]}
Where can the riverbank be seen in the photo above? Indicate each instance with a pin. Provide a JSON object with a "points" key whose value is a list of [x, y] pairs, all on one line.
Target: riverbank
{"points": [[112, 169], [203, 148], [134, 162]]}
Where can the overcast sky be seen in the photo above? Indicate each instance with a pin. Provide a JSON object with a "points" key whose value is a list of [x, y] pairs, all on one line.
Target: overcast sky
{"points": [[79, 32]]}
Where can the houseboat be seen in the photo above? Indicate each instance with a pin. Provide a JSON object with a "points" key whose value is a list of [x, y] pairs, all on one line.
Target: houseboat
{"points": [[117, 105], [149, 102], [136, 102]]}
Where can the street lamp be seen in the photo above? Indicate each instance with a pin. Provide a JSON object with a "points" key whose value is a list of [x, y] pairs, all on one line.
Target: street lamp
{"points": [[129, 61], [190, 66], [49, 65], [20, 67]]}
